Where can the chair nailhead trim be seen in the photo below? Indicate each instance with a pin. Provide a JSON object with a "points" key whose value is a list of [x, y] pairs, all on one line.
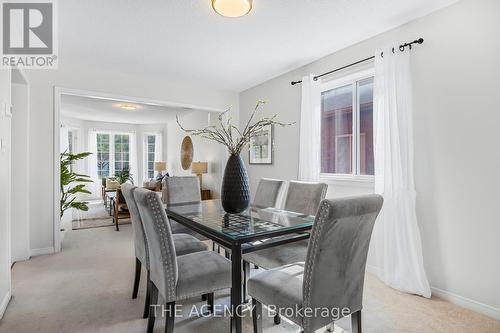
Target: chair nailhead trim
{"points": [[168, 257], [314, 242]]}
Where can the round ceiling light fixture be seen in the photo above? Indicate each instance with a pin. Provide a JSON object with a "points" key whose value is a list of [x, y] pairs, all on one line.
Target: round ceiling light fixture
{"points": [[127, 106], [232, 8]]}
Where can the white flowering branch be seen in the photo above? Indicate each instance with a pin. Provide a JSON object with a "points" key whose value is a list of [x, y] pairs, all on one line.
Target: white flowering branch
{"points": [[229, 135]]}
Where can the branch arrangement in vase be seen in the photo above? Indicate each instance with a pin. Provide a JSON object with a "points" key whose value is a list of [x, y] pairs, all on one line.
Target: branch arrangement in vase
{"points": [[229, 135]]}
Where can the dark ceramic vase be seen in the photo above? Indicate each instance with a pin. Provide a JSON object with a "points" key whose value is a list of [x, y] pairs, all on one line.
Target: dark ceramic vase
{"points": [[235, 193]]}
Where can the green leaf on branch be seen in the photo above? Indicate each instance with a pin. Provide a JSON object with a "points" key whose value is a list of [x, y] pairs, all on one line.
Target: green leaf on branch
{"points": [[71, 183]]}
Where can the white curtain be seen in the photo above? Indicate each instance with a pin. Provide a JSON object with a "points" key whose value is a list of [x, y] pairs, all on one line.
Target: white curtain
{"points": [[396, 236], [310, 129], [94, 187], [133, 167], [64, 139], [158, 148]]}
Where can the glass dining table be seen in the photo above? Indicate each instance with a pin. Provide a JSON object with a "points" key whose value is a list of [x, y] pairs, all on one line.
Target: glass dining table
{"points": [[254, 229]]}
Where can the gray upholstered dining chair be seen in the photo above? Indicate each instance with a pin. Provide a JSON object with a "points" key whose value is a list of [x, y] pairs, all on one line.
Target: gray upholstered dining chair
{"points": [[179, 190], [333, 274], [303, 198], [183, 243], [176, 277], [267, 193]]}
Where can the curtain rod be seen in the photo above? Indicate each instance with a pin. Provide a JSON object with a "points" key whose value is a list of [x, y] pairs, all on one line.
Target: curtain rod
{"points": [[401, 48]]}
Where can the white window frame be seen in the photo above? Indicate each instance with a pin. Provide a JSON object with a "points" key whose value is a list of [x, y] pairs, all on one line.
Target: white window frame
{"points": [[158, 136], [112, 134], [337, 83]]}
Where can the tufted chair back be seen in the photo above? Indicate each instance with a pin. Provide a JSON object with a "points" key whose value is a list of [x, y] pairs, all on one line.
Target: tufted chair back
{"points": [[304, 197], [162, 256], [267, 193], [336, 256], [177, 190], [140, 241]]}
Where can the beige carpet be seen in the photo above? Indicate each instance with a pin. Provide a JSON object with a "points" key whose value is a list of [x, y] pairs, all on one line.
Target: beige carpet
{"points": [[96, 217], [87, 288]]}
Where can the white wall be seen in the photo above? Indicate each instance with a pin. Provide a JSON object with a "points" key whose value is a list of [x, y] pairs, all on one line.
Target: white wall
{"points": [[204, 150], [456, 80], [5, 195], [20, 170], [42, 83]]}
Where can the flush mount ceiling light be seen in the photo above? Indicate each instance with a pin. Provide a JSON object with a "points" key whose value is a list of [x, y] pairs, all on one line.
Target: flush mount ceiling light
{"points": [[232, 8], [127, 107]]}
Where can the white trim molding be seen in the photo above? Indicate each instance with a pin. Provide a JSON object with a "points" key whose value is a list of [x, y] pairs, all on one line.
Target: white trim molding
{"points": [[41, 251], [332, 178], [467, 303], [4, 303]]}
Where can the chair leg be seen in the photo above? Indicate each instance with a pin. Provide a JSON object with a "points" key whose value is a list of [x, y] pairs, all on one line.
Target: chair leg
{"points": [[147, 302], [257, 316], [246, 275], [277, 319], [210, 302], [115, 216], [170, 319], [356, 322], [137, 278], [154, 300]]}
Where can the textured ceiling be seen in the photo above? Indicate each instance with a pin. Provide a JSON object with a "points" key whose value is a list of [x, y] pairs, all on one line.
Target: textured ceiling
{"points": [[185, 41]]}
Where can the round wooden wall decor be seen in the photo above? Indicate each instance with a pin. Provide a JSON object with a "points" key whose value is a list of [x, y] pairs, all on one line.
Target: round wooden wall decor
{"points": [[186, 153]]}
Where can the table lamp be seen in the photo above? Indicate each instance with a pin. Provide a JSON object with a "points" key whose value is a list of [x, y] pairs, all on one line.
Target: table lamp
{"points": [[199, 168], [160, 167]]}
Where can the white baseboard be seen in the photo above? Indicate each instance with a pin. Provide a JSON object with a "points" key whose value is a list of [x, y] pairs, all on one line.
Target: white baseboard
{"points": [[464, 302], [467, 303], [5, 302], [42, 251]]}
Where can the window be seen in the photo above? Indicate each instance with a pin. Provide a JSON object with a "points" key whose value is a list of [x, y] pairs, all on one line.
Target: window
{"points": [[70, 142], [103, 155], [113, 153], [72, 145], [121, 152], [347, 126], [150, 145]]}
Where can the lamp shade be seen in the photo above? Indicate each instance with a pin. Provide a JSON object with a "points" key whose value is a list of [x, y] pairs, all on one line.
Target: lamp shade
{"points": [[199, 167], [160, 166]]}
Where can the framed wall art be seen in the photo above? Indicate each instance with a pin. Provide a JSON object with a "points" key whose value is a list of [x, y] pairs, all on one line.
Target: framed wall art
{"points": [[261, 147]]}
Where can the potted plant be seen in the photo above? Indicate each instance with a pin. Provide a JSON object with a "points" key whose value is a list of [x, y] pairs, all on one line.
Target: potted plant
{"points": [[72, 183], [124, 176], [235, 193]]}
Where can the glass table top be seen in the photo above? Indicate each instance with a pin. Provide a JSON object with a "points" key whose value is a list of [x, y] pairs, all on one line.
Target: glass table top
{"points": [[252, 222]]}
